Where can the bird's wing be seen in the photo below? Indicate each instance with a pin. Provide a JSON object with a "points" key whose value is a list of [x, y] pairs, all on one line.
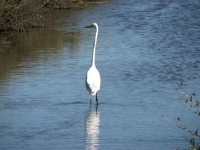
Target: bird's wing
{"points": [[93, 81]]}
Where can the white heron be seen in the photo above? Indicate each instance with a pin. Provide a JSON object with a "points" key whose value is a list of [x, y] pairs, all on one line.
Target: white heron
{"points": [[93, 79]]}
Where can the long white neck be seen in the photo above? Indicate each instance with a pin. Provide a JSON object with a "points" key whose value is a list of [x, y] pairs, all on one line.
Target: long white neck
{"points": [[94, 46]]}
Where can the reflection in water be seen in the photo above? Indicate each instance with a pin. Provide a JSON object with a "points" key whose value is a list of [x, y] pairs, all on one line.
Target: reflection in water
{"points": [[92, 129], [39, 45]]}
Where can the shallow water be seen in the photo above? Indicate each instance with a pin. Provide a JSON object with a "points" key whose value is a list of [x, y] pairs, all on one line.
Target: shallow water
{"points": [[143, 50]]}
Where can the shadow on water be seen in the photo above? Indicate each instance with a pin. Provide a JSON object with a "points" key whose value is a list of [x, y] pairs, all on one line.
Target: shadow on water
{"points": [[92, 124]]}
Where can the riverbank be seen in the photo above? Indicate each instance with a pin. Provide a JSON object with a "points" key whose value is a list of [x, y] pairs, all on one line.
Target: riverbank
{"points": [[23, 15]]}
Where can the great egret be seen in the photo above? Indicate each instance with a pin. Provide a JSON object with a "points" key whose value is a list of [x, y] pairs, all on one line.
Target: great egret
{"points": [[93, 79]]}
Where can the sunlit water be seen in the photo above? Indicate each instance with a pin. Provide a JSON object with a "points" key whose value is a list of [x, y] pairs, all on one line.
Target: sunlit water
{"points": [[144, 48]]}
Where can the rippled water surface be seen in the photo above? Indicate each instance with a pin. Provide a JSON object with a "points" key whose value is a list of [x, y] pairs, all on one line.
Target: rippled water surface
{"points": [[144, 48]]}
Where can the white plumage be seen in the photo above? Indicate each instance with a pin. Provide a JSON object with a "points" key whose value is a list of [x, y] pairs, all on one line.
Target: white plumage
{"points": [[93, 79]]}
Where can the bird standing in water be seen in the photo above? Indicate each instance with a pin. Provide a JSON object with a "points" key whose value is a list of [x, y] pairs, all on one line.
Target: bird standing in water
{"points": [[93, 79]]}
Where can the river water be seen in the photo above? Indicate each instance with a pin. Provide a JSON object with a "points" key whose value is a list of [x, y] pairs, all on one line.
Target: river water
{"points": [[144, 48]]}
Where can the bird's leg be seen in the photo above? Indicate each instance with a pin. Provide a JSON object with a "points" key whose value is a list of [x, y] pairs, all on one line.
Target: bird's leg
{"points": [[96, 99], [96, 108], [90, 104], [90, 100]]}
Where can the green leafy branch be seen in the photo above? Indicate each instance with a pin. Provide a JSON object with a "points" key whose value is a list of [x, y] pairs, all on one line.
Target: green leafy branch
{"points": [[192, 103], [192, 99], [177, 122]]}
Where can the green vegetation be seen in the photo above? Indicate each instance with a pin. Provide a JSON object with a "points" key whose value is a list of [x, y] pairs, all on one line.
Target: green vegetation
{"points": [[19, 15], [22, 15], [192, 103]]}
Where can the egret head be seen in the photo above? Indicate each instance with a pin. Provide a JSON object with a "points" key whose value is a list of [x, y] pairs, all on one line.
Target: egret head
{"points": [[92, 25]]}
